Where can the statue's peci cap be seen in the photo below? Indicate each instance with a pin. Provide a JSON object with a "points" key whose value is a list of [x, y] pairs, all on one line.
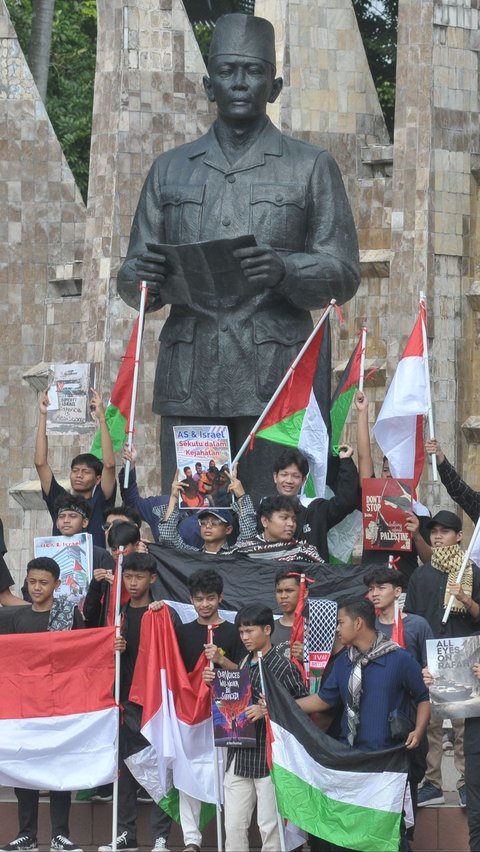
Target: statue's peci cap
{"points": [[244, 35]]}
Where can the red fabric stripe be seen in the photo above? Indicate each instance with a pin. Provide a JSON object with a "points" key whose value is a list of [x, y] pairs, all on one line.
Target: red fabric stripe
{"points": [[158, 650], [57, 673], [415, 342], [122, 390], [298, 629], [419, 452]]}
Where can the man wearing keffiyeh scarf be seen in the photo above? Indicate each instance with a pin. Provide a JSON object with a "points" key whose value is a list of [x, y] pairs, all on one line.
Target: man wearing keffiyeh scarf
{"points": [[370, 692], [428, 595]]}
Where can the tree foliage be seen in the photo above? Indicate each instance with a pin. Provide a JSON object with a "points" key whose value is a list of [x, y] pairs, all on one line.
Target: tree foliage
{"points": [[71, 78], [377, 21]]}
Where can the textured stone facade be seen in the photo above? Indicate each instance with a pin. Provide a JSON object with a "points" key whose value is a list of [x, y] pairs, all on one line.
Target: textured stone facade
{"points": [[415, 204]]}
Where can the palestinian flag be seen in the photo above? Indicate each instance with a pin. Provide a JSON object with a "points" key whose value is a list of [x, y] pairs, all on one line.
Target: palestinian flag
{"points": [[176, 717], [300, 416], [57, 709], [343, 396], [117, 413], [346, 797]]}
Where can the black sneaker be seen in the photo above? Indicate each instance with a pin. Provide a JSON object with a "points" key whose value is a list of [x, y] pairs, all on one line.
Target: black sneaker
{"points": [[123, 844], [24, 843], [60, 843]]}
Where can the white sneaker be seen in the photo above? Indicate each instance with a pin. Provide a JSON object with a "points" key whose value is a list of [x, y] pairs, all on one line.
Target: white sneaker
{"points": [[160, 845]]}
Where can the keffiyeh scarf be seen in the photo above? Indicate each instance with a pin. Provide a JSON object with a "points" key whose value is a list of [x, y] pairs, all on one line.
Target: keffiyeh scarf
{"points": [[449, 561]]}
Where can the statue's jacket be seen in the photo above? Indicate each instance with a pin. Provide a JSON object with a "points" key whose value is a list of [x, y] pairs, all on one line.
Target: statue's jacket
{"points": [[226, 357]]}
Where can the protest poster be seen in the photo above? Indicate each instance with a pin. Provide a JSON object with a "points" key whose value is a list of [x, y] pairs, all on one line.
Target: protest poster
{"points": [[74, 556], [455, 692], [204, 462], [321, 629], [385, 503], [69, 397], [231, 695]]}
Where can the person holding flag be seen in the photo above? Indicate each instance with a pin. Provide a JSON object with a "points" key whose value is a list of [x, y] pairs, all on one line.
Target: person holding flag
{"points": [[288, 594]]}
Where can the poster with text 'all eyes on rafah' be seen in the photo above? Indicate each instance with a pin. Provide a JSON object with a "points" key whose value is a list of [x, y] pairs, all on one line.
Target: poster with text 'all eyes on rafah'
{"points": [[455, 668], [204, 464]]}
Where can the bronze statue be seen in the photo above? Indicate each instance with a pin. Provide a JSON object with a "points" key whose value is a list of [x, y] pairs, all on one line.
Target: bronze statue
{"points": [[223, 354]]}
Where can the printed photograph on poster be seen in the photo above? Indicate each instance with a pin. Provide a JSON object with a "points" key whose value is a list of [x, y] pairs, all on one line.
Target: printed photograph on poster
{"points": [[204, 462], [455, 693], [69, 395], [231, 695], [74, 556], [385, 503]]}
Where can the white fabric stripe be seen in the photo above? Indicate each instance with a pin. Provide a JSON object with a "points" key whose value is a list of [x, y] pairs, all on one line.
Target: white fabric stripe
{"points": [[313, 442], [71, 752], [186, 750], [382, 791], [395, 429]]}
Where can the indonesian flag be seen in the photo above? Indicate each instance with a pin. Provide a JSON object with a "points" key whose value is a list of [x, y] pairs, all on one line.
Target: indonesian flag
{"points": [[300, 416], [58, 717], [176, 718], [117, 413], [399, 427]]}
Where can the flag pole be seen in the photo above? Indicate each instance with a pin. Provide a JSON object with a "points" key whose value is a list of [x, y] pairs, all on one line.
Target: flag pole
{"points": [[362, 358], [131, 420], [431, 430], [279, 818], [463, 568], [118, 595], [284, 381], [218, 806]]}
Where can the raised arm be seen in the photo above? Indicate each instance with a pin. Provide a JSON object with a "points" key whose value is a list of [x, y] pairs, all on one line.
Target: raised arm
{"points": [[364, 447], [107, 482], [44, 471], [464, 496], [243, 506]]}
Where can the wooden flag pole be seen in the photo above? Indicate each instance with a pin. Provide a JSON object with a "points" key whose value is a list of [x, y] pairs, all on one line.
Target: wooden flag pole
{"points": [[131, 420], [284, 381]]}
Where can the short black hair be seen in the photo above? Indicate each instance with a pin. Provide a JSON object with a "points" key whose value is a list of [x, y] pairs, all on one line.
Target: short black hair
{"points": [[277, 503], [72, 502], [89, 460], [254, 615], [360, 608], [139, 562], [285, 574], [127, 511], [205, 580], [44, 563], [381, 574], [291, 456], [122, 533]]}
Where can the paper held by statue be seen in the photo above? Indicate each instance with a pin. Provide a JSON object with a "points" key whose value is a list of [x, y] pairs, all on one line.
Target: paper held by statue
{"points": [[199, 272]]}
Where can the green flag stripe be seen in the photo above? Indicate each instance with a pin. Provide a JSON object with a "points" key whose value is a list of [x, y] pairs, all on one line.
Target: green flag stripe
{"points": [[286, 431], [116, 423], [344, 824], [171, 805], [339, 413]]}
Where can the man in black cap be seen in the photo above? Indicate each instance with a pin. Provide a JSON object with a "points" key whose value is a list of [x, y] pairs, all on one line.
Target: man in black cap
{"points": [[428, 594], [221, 358]]}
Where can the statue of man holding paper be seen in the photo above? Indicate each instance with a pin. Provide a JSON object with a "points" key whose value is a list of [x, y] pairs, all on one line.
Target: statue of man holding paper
{"points": [[285, 243]]}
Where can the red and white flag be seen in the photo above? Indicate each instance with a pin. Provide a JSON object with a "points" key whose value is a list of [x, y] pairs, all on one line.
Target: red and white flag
{"points": [[177, 716], [58, 717], [399, 426]]}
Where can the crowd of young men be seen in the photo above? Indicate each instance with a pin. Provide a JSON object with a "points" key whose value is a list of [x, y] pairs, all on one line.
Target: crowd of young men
{"points": [[368, 678]]}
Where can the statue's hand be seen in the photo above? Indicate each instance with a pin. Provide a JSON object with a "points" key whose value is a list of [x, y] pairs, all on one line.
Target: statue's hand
{"points": [[262, 265], [152, 268]]}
